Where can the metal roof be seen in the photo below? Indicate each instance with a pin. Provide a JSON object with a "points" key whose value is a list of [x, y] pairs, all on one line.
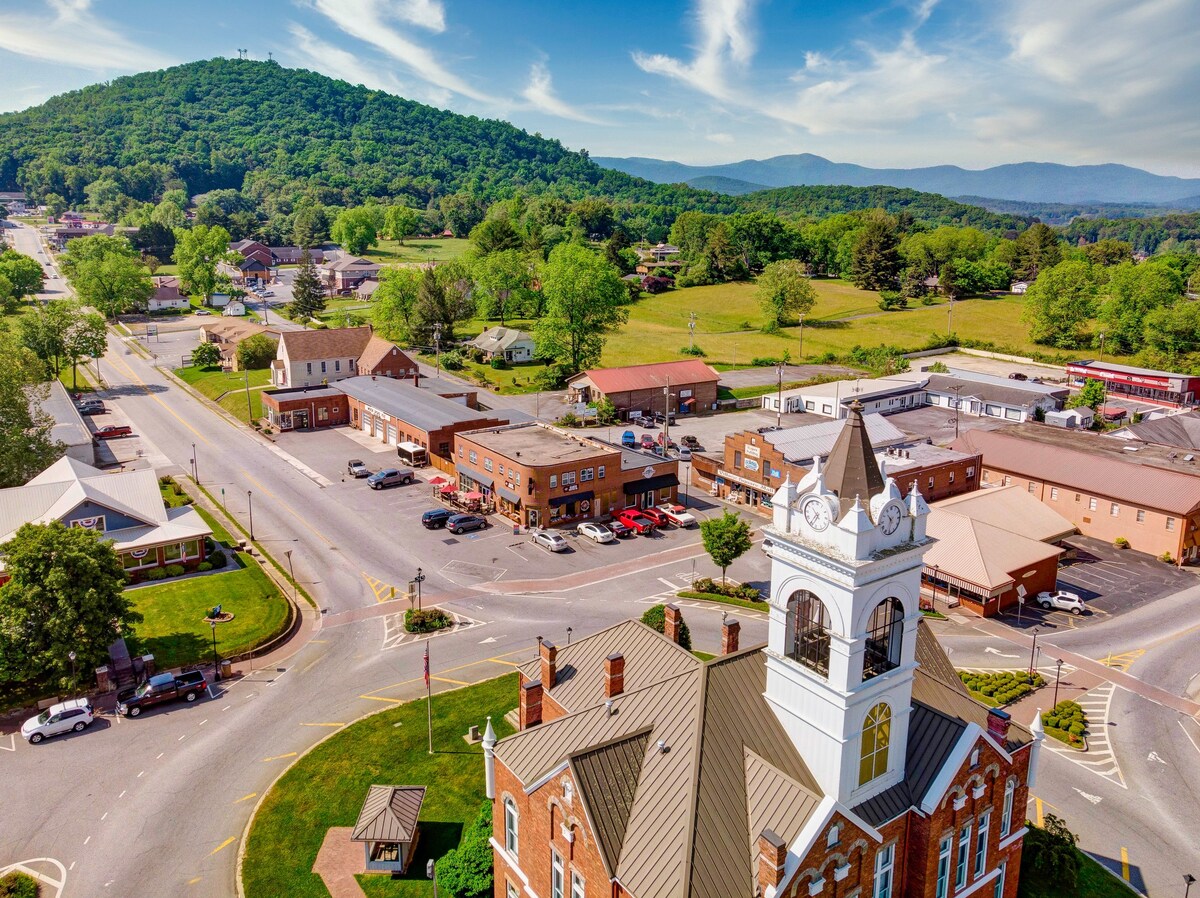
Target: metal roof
{"points": [[1010, 508], [804, 443], [1116, 478], [608, 776], [415, 405], [389, 814], [851, 470], [981, 553], [1094, 365], [645, 377], [1006, 393], [1177, 431], [497, 339]]}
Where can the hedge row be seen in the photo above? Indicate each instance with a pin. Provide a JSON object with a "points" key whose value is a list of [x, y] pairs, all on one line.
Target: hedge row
{"points": [[1002, 686]]}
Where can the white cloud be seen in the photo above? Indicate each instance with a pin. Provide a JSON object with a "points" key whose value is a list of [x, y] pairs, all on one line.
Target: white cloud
{"points": [[370, 21], [724, 34], [68, 32], [720, 137], [310, 51], [539, 93]]}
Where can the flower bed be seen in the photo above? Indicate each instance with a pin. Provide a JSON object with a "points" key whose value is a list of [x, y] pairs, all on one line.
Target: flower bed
{"points": [[426, 621], [1067, 722], [1000, 687]]}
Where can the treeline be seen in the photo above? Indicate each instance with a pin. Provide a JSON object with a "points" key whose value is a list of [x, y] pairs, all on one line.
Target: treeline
{"points": [[1174, 232]]}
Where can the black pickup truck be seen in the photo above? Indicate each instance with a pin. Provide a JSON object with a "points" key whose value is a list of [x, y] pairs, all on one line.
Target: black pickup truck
{"points": [[161, 688]]}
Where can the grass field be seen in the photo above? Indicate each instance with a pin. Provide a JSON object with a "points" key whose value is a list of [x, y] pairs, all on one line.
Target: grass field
{"points": [[215, 384], [438, 249], [327, 787]]}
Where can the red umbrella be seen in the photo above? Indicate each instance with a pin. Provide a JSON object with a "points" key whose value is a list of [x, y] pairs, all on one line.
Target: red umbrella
{"points": [[472, 496], [438, 481], [448, 488]]}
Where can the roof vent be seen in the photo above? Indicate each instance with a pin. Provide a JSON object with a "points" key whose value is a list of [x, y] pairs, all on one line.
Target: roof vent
{"points": [[662, 747], [1189, 457], [608, 708]]}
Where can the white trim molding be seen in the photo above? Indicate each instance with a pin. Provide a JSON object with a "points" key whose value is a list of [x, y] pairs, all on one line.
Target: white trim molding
{"points": [[978, 884], [1012, 837]]}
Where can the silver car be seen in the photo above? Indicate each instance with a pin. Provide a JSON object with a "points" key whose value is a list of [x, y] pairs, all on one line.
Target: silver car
{"points": [[551, 541], [595, 532], [75, 715]]}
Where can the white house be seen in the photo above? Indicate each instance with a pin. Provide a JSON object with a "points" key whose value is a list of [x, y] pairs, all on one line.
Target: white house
{"points": [[987, 396], [882, 396], [166, 296], [1020, 287], [218, 300], [506, 343], [234, 308]]}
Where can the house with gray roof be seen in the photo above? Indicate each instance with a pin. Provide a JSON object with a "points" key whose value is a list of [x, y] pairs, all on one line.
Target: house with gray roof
{"points": [[504, 343]]}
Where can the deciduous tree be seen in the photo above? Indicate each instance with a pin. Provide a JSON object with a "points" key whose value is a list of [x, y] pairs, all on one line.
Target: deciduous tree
{"points": [[503, 284], [24, 274], [107, 273], [1059, 303], [26, 445], [198, 251], [584, 299], [394, 302], [1133, 292], [356, 229], [206, 355], [785, 292], [256, 352], [400, 221], [726, 539]]}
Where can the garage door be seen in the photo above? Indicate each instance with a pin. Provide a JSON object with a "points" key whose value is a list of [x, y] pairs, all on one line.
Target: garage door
{"points": [[366, 423], [378, 431], [391, 438]]}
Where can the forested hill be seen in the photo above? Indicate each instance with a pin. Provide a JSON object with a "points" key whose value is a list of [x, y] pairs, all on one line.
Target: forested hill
{"points": [[931, 208], [266, 130]]}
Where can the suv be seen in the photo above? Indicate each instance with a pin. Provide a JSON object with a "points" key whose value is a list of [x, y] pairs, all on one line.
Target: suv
{"points": [[435, 518], [687, 441], [628, 440], [461, 523], [161, 688], [356, 468], [76, 714], [648, 441], [635, 521], [390, 477], [1061, 601], [91, 407]]}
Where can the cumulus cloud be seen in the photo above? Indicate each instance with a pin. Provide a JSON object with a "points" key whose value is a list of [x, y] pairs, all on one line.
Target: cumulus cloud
{"points": [[310, 51], [69, 32], [540, 95], [724, 38]]}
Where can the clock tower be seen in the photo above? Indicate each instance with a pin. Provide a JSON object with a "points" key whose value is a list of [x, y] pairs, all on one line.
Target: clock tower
{"points": [[846, 553]]}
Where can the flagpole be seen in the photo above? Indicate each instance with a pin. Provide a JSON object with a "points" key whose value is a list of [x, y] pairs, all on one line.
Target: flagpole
{"points": [[428, 699]]}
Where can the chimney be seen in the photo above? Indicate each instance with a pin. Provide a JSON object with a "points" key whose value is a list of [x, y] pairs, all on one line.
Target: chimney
{"points": [[614, 674], [530, 710], [549, 663], [730, 630], [997, 724], [772, 854], [671, 622], [416, 378]]}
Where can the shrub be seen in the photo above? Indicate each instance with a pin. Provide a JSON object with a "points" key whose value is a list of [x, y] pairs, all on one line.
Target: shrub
{"points": [[1121, 542], [466, 871], [500, 364], [452, 360], [425, 621], [764, 362], [568, 420], [655, 618], [157, 573], [1077, 729], [204, 566], [175, 570], [938, 368], [1050, 855], [1166, 557], [693, 351], [18, 885], [217, 559]]}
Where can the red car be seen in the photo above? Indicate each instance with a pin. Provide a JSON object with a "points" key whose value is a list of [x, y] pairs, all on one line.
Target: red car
{"points": [[635, 521], [114, 430], [659, 518], [648, 441]]}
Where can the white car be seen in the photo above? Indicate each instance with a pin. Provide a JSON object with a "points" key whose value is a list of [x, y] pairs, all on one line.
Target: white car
{"points": [[595, 532], [1062, 601], [74, 715], [551, 541], [677, 516], [203, 312]]}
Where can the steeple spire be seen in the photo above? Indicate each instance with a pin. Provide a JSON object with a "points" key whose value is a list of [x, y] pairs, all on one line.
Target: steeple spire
{"points": [[851, 470]]}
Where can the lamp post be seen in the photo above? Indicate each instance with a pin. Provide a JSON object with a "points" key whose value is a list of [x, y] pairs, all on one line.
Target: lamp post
{"points": [[1188, 879], [1033, 650], [779, 398], [292, 574], [212, 622], [71, 656], [437, 347], [195, 465], [933, 601], [950, 317], [419, 579], [1057, 677], [249, 406], [570, 630], [1103, 379], [250, 505]]}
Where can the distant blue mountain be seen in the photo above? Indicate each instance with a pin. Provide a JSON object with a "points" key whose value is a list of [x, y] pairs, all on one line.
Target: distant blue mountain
{"points": [[1034, 182]]}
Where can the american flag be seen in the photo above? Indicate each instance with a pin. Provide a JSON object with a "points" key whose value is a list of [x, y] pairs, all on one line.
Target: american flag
{"points": [[427, 665]]}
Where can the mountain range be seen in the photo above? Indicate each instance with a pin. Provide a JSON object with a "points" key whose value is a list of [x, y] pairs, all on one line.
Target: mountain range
{"points": [[1035, 182]]}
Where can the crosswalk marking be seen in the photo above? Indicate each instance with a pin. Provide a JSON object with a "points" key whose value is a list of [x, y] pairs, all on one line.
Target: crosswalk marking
{"points": [[394, 634], [1099, 758]]}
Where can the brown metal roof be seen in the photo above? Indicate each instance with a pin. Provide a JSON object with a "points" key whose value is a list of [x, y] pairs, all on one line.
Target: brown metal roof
{"points": [[933, 659], [389, 814], [579, 680], [852, 471], [379, 349], [980, 553], [774, 801], [1087, 472], [1010, 508], [335, 343], [645, 377], [608, 778]]}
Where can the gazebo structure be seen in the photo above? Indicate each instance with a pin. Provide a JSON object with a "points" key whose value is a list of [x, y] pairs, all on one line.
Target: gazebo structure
{"points": [[387, 825]]}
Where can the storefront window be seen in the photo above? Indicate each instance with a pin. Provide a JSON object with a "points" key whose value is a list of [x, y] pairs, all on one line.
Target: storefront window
{"points": [[172, 552]]}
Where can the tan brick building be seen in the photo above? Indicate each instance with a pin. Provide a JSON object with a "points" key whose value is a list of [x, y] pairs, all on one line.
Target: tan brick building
{"points": [[541, 476], [683, 388]]}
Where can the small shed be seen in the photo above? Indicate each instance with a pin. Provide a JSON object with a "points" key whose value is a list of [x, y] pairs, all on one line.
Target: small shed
{"points": [[1019, 287], [387, 826], [234, 308], [1080, 418]]}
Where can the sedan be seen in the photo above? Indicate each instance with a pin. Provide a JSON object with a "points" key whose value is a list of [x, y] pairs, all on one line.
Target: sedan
{"points": [[356, 468], [648, 441], [461, 523], [1061, 601], [595, 532], [658, 517], [549, 540], [92, 407], [114, 430]]}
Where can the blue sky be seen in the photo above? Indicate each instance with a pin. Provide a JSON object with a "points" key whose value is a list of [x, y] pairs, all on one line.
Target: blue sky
{"points": [[903, 83]]}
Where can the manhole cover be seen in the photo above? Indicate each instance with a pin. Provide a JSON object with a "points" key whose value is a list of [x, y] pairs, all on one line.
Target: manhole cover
{"points": [[450, 542]]}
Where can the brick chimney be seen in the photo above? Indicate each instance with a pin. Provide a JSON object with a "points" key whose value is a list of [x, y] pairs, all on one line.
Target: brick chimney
{"points": [[772, 854], [997, 724], [530, 710], [730, 631], [549, 663], [671, 622], [614, 674]]}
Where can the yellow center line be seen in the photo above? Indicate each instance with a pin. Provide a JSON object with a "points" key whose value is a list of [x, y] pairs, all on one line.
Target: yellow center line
{"points": [[290, 754], [193, 880], [288, 509], [498, 661], [224, 844], [322, 724], [246, 797], [378, 698], [146, 388], [313, 664], [1041, 813], [1124, 864]]}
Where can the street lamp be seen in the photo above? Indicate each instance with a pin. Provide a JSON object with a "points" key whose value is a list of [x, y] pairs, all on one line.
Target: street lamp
{"points": [[292, 574], [71, 656], [1032, 650], [570, 630], [250, 505], [1188, 879], [195, 465], [212, 622], [419, 579], [437, 345], [1057, 677]]}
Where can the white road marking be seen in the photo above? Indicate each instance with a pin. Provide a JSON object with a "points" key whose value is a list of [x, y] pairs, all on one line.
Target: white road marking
{"points": [[1189, 735], [12, 743], [488, 640], [72, 867], [139, 776], [227, 707], [180, 739], [1153, 756], [88, 839], [204, 721], [1094, 799], [991, 651], [122, 795], [667, 583], [160, 754]]}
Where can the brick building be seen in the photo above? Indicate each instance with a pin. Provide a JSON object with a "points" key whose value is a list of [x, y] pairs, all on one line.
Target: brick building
{"points": [[1103, 490], [844, 757], [683, 388], [541, 476]]}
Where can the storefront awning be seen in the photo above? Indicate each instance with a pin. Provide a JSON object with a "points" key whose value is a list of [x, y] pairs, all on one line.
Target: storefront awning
{"points": [[585, 496], [508, 495], [481, 479], [646, 484]]}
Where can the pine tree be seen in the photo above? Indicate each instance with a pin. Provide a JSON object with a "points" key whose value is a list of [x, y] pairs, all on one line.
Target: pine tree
{"points": [[875, 257], [308, 296]]}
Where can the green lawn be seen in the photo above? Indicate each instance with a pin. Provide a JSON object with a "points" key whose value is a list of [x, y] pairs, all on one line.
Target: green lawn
{"points": [[214, 383], [438, 249], [81, 382], [1095, 881], [174, 630], [327, 786]]}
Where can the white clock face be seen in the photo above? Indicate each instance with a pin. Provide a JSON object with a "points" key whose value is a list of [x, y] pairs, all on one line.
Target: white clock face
{"points": [[889, 520], [816, 512]]}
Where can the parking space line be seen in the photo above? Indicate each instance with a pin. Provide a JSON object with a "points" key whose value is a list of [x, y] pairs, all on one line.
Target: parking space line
{"points": [[448, 680], [224, 844], [290, 754], [245, 798]]}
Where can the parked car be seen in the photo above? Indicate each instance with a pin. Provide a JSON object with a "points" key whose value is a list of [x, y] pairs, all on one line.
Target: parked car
{"points": [[629, 440], [267, 293], [666, 442], [91, 407], [619, 530], [356, 468], [677, 515], [111, 431], [635, 521], [1017, 375], [1062, 601], [659, 519], [461, 523], [203, 312], [435, 518], [690, 442], [659, 417], [685, 454], [648, 441], [390, 477], [549, 540], [74, 715], [160, 689], [595, 532]]}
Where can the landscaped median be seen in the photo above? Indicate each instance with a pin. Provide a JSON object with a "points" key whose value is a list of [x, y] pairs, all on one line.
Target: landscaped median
{"points": [[739, 594], [326, 788]]}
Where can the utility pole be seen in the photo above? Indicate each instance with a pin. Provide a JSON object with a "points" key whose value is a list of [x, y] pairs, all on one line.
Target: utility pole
{"points": [[692, 330], [437, 346], [666, 416], [249, 406], [779, 398], [957, 408], [801, 358], [950, 317]]}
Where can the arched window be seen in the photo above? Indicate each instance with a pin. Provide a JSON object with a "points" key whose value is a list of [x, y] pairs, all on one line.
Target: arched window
{"points": [[1006, 813], [885, 635], [809, 628], [876, 737], [510, 826]]}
